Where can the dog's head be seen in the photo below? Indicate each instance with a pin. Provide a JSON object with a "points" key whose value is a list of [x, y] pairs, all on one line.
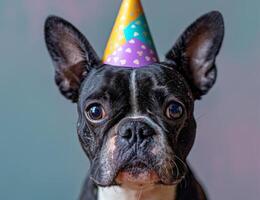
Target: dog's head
{"points": [[136, 125]]}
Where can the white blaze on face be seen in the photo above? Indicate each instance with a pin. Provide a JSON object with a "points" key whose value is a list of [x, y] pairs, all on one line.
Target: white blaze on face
{"points": [[133, 89]]}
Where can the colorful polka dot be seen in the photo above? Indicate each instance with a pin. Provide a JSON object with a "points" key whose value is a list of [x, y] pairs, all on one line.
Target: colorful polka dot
{"points": [[132, 55]]}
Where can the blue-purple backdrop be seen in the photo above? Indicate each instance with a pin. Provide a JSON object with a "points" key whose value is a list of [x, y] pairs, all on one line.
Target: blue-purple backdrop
{"points": [[40, 157]]}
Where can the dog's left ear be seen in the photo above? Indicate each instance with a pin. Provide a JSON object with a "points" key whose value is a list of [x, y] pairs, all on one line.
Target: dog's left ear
{"points": [[72, 55], [195, 52]]}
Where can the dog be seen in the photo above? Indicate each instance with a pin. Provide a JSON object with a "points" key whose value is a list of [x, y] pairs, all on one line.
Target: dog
{"points": [[137, 126]]}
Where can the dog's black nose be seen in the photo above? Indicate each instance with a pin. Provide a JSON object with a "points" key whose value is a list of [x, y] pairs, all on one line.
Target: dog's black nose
{"points": [[135, 131]]}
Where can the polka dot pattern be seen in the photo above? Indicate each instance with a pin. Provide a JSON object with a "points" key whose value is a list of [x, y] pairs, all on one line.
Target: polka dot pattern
{"points": [[130, 43], [139, 29], [133, 54]]}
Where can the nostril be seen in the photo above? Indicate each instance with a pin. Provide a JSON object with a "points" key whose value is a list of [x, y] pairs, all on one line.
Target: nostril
{"points": [[127, 133], [145, 133]]}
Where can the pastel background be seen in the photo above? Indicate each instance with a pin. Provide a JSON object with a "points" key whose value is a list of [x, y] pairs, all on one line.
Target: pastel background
{"points": [[40, 157]]}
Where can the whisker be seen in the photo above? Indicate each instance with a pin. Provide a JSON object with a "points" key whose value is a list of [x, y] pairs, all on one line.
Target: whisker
{"points": [[182, 162], [185, 169], [177, 168], [140, 194]]}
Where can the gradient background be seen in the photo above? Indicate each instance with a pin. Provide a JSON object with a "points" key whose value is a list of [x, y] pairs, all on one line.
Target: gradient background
{"points": [[40, 157]]}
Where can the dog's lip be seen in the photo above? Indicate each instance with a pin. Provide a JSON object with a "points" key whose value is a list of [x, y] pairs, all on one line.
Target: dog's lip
{"points": [[137, 174], [142, 179], [147, 177]]}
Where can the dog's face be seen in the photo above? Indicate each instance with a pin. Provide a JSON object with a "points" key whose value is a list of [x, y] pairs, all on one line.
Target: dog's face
{"points": [[136, 125]]}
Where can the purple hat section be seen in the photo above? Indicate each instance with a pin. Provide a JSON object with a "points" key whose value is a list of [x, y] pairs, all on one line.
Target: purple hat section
{"points": [[133, 54]]}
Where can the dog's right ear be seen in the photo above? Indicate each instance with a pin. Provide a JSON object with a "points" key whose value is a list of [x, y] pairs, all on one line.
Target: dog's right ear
{"points": [[196, 50], [72, 55]]}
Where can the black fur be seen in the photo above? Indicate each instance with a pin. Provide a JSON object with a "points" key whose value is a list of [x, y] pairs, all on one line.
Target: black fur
{"points": [[209, 27], [188, 72], [64, 43]]}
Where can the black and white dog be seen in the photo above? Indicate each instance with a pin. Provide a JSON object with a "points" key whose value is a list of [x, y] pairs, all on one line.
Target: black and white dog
{"points": [[136, 125]]}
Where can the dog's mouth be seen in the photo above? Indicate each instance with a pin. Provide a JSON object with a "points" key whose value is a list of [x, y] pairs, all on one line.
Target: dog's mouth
{"points": [[137, 175]]}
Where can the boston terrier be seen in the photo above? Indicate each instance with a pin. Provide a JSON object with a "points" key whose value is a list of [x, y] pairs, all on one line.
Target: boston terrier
{"points": [[137, 126]]}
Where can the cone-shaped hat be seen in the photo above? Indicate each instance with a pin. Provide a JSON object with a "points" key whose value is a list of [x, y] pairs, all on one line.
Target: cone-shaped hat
{"points": [[130, 43]]}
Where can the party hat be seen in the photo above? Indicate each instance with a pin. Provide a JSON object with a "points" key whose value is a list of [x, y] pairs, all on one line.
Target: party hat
{"points": [[130, 43]]}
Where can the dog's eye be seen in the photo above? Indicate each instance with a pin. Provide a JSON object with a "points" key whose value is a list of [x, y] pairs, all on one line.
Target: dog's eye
{"points": [[95, 112], [174, 110]]}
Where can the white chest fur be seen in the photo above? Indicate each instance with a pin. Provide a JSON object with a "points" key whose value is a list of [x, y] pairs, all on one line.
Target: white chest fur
{"points": [[154, 193]]}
